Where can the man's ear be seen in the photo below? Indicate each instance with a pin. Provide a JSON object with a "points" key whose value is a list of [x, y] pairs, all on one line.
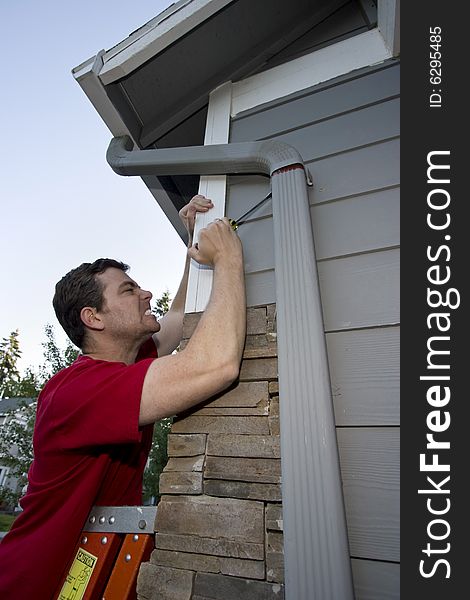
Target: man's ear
{"points": [[90, 318]]}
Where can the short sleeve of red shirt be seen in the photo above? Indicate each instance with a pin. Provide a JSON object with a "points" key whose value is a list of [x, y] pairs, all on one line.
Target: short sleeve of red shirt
{"points": [[95, 403]]}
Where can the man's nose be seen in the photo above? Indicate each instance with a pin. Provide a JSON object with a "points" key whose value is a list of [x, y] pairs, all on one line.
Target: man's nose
{"points": [[147, 295]]}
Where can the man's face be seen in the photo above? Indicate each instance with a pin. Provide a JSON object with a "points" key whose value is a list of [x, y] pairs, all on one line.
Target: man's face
{"points": [[126, 307]]}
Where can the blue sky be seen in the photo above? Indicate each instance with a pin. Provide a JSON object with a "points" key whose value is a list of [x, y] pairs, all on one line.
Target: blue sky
{"points": [[61, 204]]}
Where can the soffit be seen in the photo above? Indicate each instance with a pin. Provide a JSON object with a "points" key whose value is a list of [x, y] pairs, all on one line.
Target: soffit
{"points": [[236, 41]]}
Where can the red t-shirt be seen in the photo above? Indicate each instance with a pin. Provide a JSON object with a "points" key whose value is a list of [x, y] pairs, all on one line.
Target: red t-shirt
{"points": [[88, 450]]}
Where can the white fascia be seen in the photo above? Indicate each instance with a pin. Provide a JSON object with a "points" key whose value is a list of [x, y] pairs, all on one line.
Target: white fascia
{"points": [[86, 76], [306, 71], [388, 17]]}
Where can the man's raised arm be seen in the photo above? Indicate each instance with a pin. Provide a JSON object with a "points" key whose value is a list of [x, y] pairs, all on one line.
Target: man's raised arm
{"points": [[211, 360], [171, 332]]}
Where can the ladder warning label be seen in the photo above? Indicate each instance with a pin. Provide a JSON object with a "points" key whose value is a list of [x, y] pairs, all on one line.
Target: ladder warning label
{"points": [[79, 576]]}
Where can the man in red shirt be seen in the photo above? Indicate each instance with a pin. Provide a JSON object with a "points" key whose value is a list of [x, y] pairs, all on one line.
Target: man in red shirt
{"points": [[95, 419]]}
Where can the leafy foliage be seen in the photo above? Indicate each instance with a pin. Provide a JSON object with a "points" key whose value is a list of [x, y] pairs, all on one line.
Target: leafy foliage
{"points": [[162, 304], [56, 359], [28, 386], [158, 456], [16, 448], [16, 432], [9, 354], [157, 460]]}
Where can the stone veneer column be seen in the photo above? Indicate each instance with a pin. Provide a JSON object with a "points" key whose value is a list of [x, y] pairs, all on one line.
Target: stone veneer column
{"points": [[219, 521]]}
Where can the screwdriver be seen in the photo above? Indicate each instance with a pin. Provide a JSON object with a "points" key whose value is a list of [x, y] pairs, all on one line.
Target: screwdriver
{"points": [[235, 224]]}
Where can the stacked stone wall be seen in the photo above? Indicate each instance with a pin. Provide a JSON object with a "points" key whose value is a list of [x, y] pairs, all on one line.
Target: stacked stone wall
{"points": [[219, 521]]}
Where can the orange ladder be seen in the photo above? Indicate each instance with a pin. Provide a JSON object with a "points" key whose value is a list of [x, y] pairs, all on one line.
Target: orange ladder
{"points": [[114, 542]]}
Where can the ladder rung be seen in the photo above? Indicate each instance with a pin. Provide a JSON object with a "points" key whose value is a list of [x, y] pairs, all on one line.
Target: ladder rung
{"points": [[121, 519]]}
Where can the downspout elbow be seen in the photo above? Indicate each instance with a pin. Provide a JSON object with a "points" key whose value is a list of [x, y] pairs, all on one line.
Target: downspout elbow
{"points": [[279, 155], [117, 154], [264, 157]]}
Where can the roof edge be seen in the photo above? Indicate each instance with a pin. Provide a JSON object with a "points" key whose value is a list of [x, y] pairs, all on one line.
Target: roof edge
{"points": [[143, 45]]}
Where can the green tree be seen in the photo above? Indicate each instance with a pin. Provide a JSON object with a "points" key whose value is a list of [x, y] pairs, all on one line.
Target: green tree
{"points": [[9, 354], [55, 358], [28, 386], [158, 456], [157, 460], [16, 431], [16, 448], [162, 304]]}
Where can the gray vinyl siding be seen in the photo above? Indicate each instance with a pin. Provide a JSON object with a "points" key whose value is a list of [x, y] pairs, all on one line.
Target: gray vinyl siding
{"points": [[347, 131], [365, 376], [375, 580], [318, 104]]}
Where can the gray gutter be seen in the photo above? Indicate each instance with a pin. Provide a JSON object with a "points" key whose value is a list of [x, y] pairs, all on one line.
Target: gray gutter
{"points": [[316, 553]]}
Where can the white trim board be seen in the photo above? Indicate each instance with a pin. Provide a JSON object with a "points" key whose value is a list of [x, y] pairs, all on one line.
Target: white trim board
{"points": [[213, 187], [338, 59], [86, 76]]}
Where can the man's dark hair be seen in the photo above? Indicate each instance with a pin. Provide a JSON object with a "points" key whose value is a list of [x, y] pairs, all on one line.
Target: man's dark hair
{"points": [[80, 288]]}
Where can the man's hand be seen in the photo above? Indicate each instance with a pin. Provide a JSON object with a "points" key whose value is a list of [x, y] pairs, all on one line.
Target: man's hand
{"points": [[217, 242], [188, 212]]}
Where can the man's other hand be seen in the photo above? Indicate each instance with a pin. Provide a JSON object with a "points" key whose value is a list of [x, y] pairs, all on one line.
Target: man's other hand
{"points": [[187, 214], [217, 242]]}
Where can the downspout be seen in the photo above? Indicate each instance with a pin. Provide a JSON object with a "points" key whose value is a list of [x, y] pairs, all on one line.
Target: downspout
{"points": [[316, 553]]}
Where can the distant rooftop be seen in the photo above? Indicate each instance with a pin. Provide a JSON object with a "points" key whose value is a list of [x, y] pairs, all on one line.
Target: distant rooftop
{"points": [[7, 404]]}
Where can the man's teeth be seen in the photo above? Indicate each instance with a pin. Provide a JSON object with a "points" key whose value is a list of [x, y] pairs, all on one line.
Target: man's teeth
{"points": [[148, 312]]}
